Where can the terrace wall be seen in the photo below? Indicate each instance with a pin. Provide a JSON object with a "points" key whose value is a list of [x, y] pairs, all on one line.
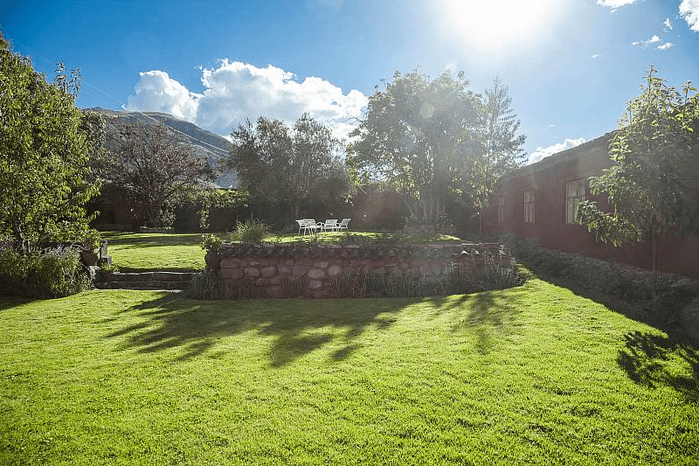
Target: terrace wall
{"points": [[281, 271]]}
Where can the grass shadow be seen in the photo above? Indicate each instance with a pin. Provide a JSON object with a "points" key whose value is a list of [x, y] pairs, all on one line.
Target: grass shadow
{"points": [[9, 302], [653, 360], [663, 314], [298, 326]]}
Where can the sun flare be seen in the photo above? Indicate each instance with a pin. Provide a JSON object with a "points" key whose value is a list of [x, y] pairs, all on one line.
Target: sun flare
{"points": [[495, 25]]}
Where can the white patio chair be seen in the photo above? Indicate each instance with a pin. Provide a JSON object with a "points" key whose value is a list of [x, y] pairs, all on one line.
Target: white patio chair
{"points": [[311, 225], [330, 225], [302, 226], [343, 224]]}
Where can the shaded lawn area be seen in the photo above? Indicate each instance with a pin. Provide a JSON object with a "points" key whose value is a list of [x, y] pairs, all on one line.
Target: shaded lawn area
{"points": [[533, 375]]}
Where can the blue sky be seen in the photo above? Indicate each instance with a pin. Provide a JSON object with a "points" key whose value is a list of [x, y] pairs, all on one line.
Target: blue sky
{"points": [[570, 65]]}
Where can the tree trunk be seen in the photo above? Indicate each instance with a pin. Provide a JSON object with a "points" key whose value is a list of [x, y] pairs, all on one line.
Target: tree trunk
{"points": [[654, 260], [480, 222]]}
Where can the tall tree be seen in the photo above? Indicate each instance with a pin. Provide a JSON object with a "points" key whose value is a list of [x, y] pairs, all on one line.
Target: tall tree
{"points": [[152, 164], [288, 166], [414, 136], [45, 146], [653, 185], [261, 155], [496, 148]]}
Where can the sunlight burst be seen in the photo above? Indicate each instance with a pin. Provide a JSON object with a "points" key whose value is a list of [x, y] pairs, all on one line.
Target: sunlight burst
{"points": [[495, 25]]}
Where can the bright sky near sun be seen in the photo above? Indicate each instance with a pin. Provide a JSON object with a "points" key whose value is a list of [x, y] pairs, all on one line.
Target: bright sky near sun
{"points": [[570, 65]]}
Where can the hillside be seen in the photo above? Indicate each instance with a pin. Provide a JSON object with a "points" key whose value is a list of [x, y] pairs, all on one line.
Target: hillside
{"points": [[207, 144]]}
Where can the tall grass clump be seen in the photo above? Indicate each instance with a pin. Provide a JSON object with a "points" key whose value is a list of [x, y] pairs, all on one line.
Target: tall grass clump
{"points": [[488, 276], [205, 285], [249, 231]]}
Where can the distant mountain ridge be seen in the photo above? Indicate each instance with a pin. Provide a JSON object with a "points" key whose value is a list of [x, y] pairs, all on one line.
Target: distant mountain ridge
{"points": [[207, 144]]}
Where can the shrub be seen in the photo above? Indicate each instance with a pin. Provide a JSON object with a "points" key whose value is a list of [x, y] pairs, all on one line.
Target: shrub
{"points": [[490, 275], [50, 273], [250, 231], [211, 242]]}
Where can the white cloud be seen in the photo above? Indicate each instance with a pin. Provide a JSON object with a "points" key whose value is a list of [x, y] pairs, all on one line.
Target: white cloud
{"points": [[647, 42], [668, 24], [615, 4], [542, 152], [235, 91], [596, 55], [665, 46], [157, 92], [689, 10]]}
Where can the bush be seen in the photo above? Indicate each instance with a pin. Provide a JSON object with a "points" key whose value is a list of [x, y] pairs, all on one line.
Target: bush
{"points": [[251, 231], [50, 273], [488, 276], [608, 277], [205, 285]]}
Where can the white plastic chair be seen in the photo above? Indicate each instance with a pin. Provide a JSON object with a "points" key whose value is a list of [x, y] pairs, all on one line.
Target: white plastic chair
{"points": [[330, 225], [343, 224]]}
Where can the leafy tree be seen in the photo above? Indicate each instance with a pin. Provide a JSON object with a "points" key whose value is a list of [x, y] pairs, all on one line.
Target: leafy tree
{"points": [[288, 166], [653, 185], [415, 136], [496, 149], [153, 165], [45, 146]]}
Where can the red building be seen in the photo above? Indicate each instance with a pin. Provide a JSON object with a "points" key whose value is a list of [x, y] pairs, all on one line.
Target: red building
{"points": [[539, 200]]}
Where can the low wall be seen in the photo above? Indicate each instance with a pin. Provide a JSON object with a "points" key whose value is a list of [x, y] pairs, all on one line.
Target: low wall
{"points": [[281, 271]]}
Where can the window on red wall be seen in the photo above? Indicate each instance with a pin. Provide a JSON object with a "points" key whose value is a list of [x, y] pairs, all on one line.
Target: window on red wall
{"points": [[501, 209], [575, 194], [529, 206]]}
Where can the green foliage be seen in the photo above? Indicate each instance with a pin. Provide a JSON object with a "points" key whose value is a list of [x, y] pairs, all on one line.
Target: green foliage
{"points": [[211, 242], [652, 185], [206, 199], [289, 167], [497, 150], [435, 139], [109, 268], [46, 144], [49, 273], [249, 231]]}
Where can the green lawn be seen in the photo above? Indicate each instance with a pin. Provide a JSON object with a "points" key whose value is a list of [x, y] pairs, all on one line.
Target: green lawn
{"points": [[135, 252], [531, 375]]}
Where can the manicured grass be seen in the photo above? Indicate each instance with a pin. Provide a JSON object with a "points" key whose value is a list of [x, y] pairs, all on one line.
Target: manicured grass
{"points": [[155, 251], [133, 252], [531, 375]]}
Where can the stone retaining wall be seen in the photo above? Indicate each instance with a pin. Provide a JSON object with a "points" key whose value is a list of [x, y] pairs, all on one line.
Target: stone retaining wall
{"points": [[282, 270]]}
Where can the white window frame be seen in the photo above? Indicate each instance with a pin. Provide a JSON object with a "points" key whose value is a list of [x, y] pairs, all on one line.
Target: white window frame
{"points": [[575, 194], [529, 206]]}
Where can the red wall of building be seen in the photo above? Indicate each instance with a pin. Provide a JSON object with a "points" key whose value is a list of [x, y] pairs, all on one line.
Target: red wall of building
{"points": [[548, 179]]}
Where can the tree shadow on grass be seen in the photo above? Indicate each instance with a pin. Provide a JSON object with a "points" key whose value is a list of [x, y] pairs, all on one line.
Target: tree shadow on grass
{"points": [[653, 360], [9, 302], [298, 326], [489, 313]]}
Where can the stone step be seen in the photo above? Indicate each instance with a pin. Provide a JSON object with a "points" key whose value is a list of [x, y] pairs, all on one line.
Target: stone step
{"points": [[155, 280]]}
